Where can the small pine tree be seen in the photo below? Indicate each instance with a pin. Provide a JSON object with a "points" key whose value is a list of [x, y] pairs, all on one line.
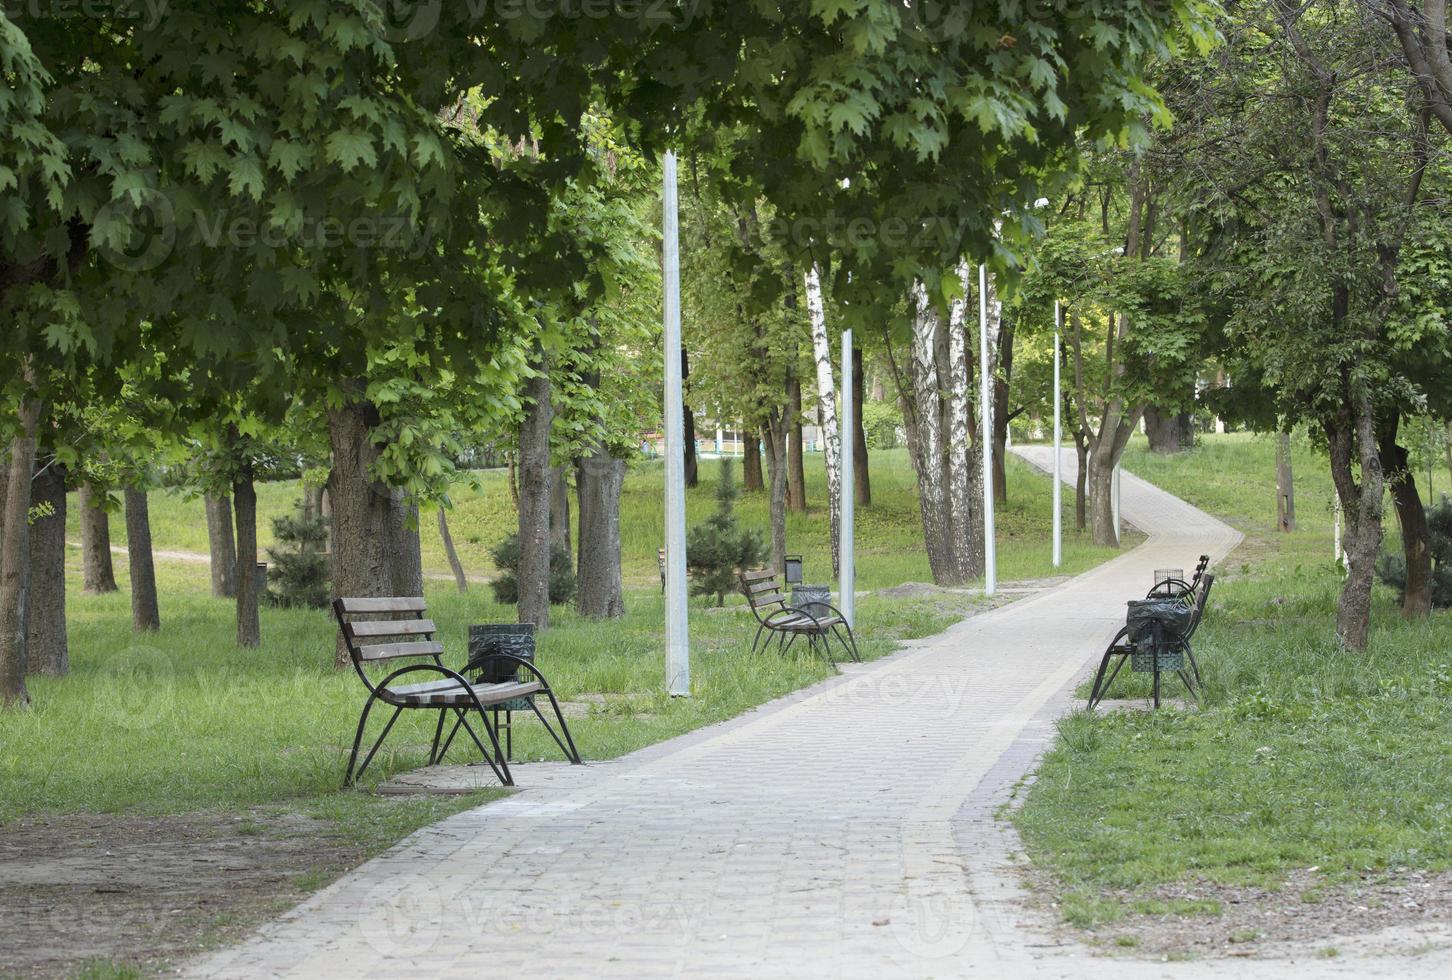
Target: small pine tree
{"points": [[718, 549], [298, 574], [506, 586]]}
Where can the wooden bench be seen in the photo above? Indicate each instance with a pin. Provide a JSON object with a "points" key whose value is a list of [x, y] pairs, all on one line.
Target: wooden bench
{"points": [[774, 616], [378, 631], [1121, 648]]}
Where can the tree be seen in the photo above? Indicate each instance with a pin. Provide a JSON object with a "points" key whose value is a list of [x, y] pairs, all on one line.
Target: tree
{"points": [[98, 570], [1307, 222], [719, 549]]}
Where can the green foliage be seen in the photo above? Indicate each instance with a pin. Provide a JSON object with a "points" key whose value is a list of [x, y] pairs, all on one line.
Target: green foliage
{"points": [[506, 586], [299, 571], [883, 422], [718, 549]]}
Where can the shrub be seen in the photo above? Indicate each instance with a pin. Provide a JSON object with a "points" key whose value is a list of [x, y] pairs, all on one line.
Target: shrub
{"points": [[506, 586], [718, 548], [1391, 567], [298, 572], [883, 424]]}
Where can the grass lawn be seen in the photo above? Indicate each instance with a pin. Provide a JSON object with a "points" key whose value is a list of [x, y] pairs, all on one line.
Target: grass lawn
{"points": [[1304, 756]]}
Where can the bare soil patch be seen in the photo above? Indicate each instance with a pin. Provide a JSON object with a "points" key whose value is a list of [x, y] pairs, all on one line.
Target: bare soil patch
{"points": [[142, 891], [1405, 911]]}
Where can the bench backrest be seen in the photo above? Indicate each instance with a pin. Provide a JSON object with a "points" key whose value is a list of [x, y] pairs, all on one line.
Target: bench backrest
{"points": [[1201, 600], [386, 629], [761, 589]]}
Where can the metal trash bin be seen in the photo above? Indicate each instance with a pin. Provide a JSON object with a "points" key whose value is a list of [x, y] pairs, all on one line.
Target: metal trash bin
{"points": [[814, 600]]}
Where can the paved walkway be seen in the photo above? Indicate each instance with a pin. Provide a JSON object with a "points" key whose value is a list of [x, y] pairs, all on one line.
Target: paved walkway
{"points": [[847, 831]]}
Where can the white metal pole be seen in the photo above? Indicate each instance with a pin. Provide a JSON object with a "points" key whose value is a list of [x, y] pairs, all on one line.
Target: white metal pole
{"points": [[1058, 446], [678, 640], [985, 429], [847, 567]]}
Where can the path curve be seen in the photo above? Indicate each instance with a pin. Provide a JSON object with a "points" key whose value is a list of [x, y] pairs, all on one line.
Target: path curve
{"points": [[845, 831]]}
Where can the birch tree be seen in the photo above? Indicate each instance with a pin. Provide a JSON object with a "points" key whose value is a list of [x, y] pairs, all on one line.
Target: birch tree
{"points": [[961, 483], [827, 403]]}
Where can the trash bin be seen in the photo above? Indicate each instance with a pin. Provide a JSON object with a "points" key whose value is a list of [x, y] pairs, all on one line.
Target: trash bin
{"points": [[812, 600]]}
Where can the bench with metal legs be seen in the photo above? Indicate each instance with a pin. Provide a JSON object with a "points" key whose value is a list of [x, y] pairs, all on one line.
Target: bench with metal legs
{"points": [[777, 620], [1121, 648], [371, 640]]}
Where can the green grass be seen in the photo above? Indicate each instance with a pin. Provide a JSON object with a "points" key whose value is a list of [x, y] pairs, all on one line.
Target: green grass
{"points": [[183, 720], [1303, 756]]}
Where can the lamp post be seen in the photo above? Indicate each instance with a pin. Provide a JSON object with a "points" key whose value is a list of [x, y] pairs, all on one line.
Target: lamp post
{"points": [[1058, 443], [985, 426], [846, 566], [678, 643]]}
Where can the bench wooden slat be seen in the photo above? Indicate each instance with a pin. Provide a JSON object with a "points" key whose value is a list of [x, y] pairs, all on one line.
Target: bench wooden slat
{"points": [[765, 585], [388, 651], [447, 692], [384, 605], [766, 600], [394, 627], [757, 576]]}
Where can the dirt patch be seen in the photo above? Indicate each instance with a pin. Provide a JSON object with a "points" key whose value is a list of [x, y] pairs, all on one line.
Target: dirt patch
{"points": [[142, 891], [1307, 915]]}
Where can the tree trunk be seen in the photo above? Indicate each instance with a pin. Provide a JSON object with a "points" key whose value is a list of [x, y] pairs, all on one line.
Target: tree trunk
{"points": [[1081, 482], [48, 651], [1416, 536], [405, 545], [689, 419], [223, 547], [360, 504], [1352, 435], [244, 501], [751, 479], [15, 559], [933, 502], [1076, 407], [534, 501], [560, 534], [99, 571], [826, 408], [796, 467], [776, 464], [1101, 498], [145, 614], [861, 480], [960, 475], [1002, 414], [1168, 432], [1285, 484], [599, 479], [313, 503], [452, 553]]}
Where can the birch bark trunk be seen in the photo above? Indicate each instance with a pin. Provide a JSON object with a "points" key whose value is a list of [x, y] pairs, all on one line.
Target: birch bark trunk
{"points": [[932, 496], [960, 492], [827, 406]]}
